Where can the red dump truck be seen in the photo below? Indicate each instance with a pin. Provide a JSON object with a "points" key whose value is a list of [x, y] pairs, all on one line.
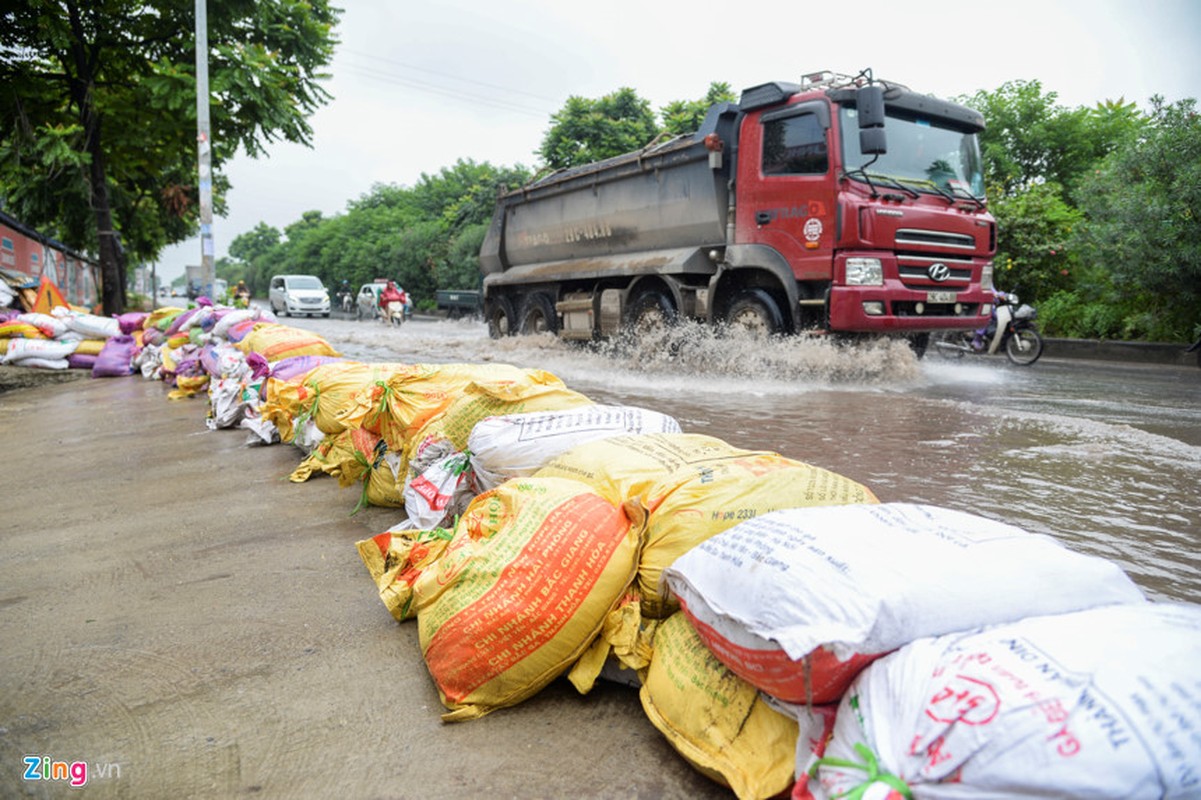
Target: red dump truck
{"points": [[840, 204]]}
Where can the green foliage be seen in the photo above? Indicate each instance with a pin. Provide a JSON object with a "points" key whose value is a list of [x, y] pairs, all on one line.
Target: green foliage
{"points": [[592, 130], [1142, 204], [1031, 139], [685, 116], [1034, 226]]}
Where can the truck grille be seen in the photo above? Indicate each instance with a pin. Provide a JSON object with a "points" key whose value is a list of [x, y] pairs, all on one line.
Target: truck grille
{"points": [[913, 237]]}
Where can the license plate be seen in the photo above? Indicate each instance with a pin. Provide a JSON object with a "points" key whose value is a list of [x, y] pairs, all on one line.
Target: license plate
{"points": [[940, 297]]}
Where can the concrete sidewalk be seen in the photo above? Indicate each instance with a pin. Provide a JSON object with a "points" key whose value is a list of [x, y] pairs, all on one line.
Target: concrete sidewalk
{"points": [[182, 618]]}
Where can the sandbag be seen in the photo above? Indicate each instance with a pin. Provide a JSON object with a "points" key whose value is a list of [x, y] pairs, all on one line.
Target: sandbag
{"points": [[1103, 703], [275, 341], [89, 326], [797, 601], [15, 329], [523, 588], [439, 487], [516, 445], [398, 405], [116, 358], [694, 487], [322, 393], [50, 326], [43, 349], [395, 558], [627, 467], [714, 719]]}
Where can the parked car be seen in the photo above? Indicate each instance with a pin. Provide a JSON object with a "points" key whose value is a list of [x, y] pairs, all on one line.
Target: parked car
{"points": [[298, 294], [366, 304]]}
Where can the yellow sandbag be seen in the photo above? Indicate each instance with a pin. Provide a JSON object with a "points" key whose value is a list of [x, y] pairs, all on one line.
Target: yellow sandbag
{"points": [[700, 501], [714, 719], [627, 467], [325, 457], [624, 644], [177, 340], [161, 318], [188, 386], [694, 487], [321, 395], [274, 341], [21, 330], [90, 347], [396, 558], [399, 405], [524, 587], [534, 391]]}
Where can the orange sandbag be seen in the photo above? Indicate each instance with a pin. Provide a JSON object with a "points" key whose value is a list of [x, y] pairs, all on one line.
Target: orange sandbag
{"points": [[522, 590], [395, 559]]}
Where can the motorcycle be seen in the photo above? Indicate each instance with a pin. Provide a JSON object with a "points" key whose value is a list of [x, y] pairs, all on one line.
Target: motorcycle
{"points": [[393, 314], [1011, 329], [346, 301]]}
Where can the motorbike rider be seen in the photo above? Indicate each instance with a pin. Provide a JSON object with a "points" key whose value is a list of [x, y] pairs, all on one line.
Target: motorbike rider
{"points": [[241, 295], [985, 334], [388, 295]]}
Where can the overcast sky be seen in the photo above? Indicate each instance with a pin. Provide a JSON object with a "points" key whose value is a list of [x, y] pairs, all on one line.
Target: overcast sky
{"points": [[418, 85]]}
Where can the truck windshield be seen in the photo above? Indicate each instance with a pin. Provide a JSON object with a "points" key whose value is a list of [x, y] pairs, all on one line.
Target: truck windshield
{"points": [[924, 154]]}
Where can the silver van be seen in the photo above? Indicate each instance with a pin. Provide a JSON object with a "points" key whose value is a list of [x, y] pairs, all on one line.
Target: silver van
{"points": [[298, 294]]}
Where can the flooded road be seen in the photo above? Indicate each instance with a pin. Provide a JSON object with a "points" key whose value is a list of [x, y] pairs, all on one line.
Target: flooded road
{"points": [[1104, 456]]}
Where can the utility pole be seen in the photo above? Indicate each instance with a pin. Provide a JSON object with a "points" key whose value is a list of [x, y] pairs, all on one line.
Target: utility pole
{"points": [[204, 141]]}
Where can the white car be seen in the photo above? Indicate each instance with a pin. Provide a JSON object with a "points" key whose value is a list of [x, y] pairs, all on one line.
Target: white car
{"points": [[298, 294]]}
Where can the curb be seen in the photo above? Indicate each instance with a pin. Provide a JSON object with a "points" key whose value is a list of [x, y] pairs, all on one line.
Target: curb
{"points": [[1137, 352]]}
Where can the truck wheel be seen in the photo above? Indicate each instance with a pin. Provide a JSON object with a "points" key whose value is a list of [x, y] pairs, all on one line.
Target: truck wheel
{"points": [[651, 310], [538, 315], [500, 317], [755, 312]]}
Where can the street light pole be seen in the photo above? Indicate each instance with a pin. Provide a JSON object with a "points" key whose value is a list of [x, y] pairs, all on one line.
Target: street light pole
{"points": [[204, 142]]}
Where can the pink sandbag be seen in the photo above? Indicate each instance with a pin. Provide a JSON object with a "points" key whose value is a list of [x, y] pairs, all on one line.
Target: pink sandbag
{"points": [[115, 359]]}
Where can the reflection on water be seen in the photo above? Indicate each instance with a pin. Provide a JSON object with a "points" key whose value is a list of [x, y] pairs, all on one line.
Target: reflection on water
{"points": [[1105, 457]]}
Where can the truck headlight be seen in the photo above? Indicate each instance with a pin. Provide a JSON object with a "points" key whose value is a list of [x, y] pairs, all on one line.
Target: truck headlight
{"points": [[864, 272], [986, 277]]}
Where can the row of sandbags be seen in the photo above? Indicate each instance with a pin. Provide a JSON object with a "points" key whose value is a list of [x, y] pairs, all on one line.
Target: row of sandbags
{"points": [[786, 632], [68, 338]]}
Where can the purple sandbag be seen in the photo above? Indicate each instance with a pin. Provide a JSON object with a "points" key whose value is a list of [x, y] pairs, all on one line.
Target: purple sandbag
{"points": [[132, 321], [115, 359], [81, 361], [259, 365], [240, 330], [294, 366]]}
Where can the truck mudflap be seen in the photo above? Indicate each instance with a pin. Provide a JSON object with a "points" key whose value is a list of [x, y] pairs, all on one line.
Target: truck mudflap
{"points": [[879, 309]]}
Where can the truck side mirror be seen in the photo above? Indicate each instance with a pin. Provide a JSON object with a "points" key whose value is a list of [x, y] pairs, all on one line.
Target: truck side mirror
{"points": [[869, 100], [872, 142]]}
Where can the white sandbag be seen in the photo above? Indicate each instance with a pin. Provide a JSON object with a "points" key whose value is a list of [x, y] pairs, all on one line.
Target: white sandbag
{"points": [[838, 585], [89, 326], [439, 486], [516, 445], [228, 400], [1104, 703], [20, 350], [44, 363], [51, 325]]}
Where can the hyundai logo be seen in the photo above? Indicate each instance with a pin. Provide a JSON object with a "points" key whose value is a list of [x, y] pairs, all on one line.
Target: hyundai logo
{"points": [[939, 272]]}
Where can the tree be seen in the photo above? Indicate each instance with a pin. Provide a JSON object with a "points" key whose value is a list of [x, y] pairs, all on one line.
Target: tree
{"points": [[1142, 208], [97, 112], [591, 130], [685, 116], [1031, 139], [1034, 226]]}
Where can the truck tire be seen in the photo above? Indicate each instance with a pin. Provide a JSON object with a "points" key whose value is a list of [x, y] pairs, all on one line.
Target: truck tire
{"points": [[501, 319], [652, 309], [755, 312], [538, 315]]}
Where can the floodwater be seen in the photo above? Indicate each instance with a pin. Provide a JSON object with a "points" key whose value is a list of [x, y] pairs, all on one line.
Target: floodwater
{"points": [[1104, 456]]}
